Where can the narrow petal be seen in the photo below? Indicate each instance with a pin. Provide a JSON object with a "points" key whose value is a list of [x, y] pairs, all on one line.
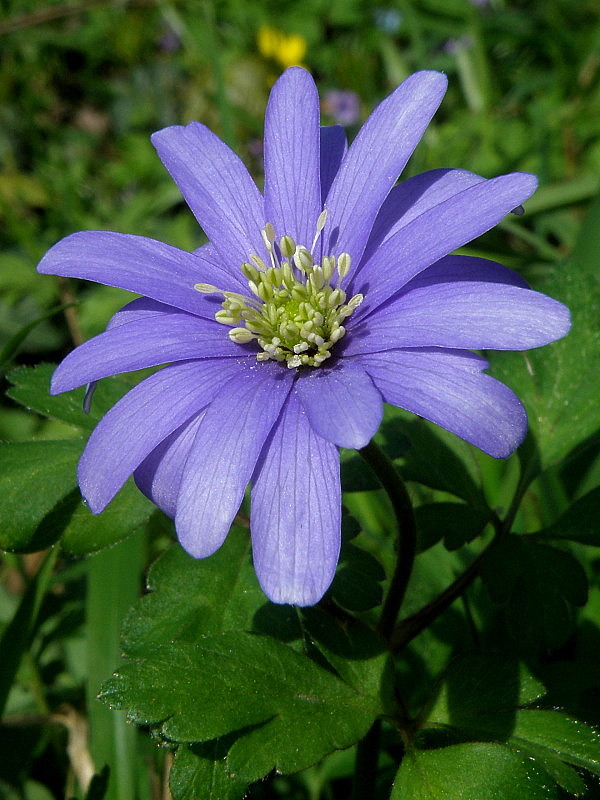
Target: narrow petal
{"points": [[217, 187], [227, 445], [137, 264], [141, 420], [341, 402], [333, 147], [463, 314], [412, 197], [160, 473], [296, 511], [448, 389], [292, 182], [436, 233], [375, 160], [138, 309], [465, 268], [144, 343]]}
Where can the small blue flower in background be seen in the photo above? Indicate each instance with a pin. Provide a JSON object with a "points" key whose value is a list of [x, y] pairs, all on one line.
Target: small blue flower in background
{"points": [[342, 106], [310, 307]]}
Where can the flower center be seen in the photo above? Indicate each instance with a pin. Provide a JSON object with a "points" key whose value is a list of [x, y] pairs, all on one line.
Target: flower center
{"points": [[297, 308]]}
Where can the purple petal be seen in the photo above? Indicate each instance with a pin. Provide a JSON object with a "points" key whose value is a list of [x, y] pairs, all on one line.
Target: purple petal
{"points": [[464, 314], [333, 147], [222, 458], [217, 187], [144, 343], [292, 182], [412, 197], [435, 233], [137, 264], [341, 403], [375, 160], [159, 475], [139, 309], [139, 422], [448, 389], [296, 511], [465, 268]]}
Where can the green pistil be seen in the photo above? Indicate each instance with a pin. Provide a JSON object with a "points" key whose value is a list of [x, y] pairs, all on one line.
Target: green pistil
{"points": [[297, 310]]}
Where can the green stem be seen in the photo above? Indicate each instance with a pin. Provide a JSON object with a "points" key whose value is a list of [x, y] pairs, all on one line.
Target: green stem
{"points": [[407, 534], [365, 769], [367, 751], [413, 625]]}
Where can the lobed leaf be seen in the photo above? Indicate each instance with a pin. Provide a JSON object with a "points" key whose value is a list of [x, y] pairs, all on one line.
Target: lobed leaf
{"points": [[31, 388], [580, 523], [195, 692], [200, 771], [473, 771], [34, 479], [536, 583]]}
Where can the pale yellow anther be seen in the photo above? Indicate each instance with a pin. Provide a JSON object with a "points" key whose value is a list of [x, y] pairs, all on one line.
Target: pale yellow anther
{"points": [[303, 259], [206, 288], [250, 272], [241, 335], [287, 246], [258, 262], [294, 318], [344, 263], [269, 233], [328, 267]]}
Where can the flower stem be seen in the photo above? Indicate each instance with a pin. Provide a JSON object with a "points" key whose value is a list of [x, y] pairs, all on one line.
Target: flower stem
{"points": [[407, 534], [413, 625], [367, 751]]}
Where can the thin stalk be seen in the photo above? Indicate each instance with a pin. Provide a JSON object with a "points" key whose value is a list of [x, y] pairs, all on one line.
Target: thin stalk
{"points": [[407, 534], [367, 751], [410, 627], [365, 765], [417, 622]]}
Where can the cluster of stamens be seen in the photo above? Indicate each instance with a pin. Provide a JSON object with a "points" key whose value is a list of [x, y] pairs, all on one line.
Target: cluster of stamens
{"points": [[297, 308]]}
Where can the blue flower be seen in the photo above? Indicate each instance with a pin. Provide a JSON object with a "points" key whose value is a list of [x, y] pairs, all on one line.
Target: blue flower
{"points": [[310, 307]]}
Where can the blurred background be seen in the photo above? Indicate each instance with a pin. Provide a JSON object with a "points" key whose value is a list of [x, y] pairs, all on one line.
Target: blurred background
{"points": [[82, 87]]}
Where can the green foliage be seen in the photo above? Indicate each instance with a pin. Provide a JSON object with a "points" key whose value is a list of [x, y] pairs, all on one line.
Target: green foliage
{"points": [[536, 584], [474, 771], [559, 385]]}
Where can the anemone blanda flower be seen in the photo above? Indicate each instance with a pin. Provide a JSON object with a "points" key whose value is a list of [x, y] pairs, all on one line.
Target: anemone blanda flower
{"points": [[309, 307]]}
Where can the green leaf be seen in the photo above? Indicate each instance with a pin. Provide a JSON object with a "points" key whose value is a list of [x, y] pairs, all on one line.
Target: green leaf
{"points": [[479, 694], [536, 583], [84, 532], [482, 698], [41, 471], [560, 736], [562, 774], [200, 771], [580, 523], [457, 523], [224, 683], [31, 388], [356, 475], [9, 350], [356, 652], [476, 771], [48, 469], [560, 383], [192, 597], [357, 583]]}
